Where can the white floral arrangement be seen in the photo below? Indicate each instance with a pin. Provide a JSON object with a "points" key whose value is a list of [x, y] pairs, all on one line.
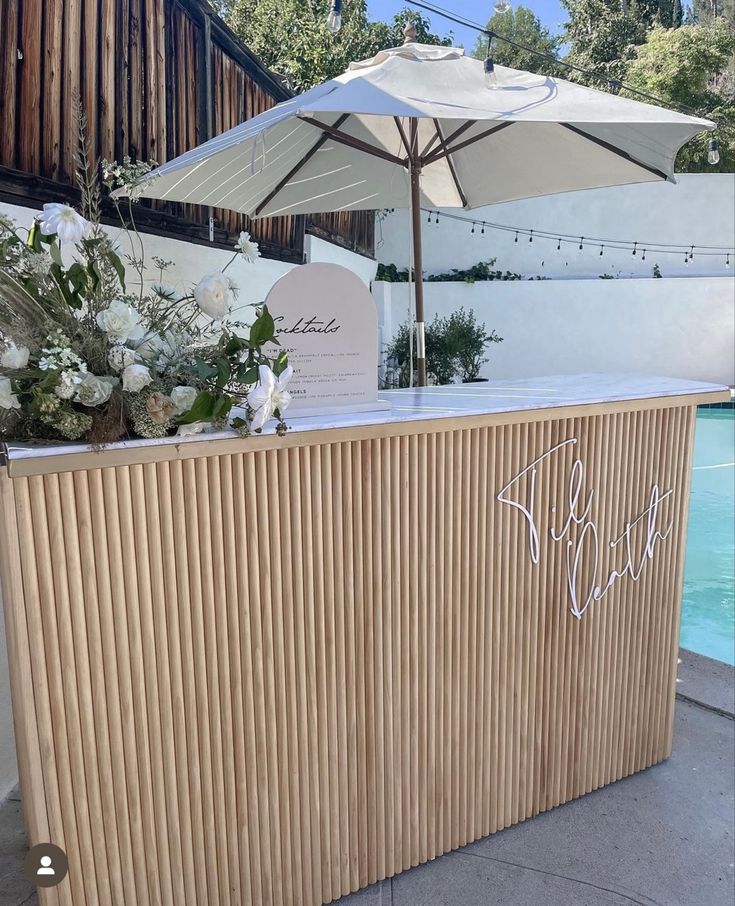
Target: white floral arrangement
{"points": [[84, 357]]}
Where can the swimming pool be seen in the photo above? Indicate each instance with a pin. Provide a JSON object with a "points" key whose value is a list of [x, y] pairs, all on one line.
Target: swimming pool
{"points": [[708, 617]]}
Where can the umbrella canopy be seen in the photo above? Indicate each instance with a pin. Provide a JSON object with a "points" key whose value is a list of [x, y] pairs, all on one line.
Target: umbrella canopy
{"points": [[418, 126]]}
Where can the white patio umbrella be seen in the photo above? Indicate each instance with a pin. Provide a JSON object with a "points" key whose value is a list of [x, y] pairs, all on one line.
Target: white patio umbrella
{"points": [[417, 126]]}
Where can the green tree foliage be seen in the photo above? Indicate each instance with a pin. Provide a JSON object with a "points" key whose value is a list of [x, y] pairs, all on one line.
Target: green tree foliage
{"points": [[523, 26], [687, 68], [601, 34], [291, 37]]}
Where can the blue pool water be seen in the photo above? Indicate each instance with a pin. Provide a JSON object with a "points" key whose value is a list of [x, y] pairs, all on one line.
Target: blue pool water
{"points": [[708, 617]]}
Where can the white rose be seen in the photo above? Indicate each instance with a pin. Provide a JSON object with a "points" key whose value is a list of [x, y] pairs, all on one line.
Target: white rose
{"points": [[214, 295], [119, 357], [120, 322], [183, 398], [8, 400], [193, 428], [135, 378], [93, 390], [64, 221], [15, 356]]}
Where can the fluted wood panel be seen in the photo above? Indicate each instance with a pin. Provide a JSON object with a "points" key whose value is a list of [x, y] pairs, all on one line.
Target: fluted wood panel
{"points": [[276, 676]]}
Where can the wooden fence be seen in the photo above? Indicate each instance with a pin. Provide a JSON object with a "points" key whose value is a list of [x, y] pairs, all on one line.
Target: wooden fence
{"points": [[156, 77]]}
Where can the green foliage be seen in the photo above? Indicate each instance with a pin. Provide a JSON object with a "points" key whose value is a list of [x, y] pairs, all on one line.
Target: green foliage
{"points": [[291, 37], [455, 346], [522, 25], [687, 67], [602, 33], [467, 341], [480, 272]]}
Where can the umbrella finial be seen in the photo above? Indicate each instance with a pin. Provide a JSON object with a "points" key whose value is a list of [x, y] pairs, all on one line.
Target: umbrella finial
{"points": [[409, 33]]}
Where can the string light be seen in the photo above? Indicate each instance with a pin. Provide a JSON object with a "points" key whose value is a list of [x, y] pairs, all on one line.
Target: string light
{"points": [[602, 247], [491, 78], [727, 261], [713, 152], [662, 248], [334, 19]]}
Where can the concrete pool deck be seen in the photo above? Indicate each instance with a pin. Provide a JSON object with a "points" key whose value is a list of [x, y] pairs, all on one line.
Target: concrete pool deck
{"points": [[663, 837]]}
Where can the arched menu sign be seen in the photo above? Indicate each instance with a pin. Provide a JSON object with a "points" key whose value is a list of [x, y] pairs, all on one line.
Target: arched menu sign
{"points": [[326, 319]]}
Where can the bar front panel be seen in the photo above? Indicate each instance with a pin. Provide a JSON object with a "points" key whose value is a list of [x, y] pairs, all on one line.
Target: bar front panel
{"points": [[275, 677]]}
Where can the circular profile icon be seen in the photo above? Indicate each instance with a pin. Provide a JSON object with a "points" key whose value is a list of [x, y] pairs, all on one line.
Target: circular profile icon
{"points": [[46, 865]]}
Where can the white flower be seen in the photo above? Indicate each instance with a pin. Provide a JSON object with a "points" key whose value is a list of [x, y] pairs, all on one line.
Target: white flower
{"points": [[213, 295], [120, 322], [193, 428], [15, 356], [183, 398], [68, 225], [135, 378], [247, 247], [93, 390], [8, 400], [119, 357], [68, 383], [166, 292], [269, 394]]}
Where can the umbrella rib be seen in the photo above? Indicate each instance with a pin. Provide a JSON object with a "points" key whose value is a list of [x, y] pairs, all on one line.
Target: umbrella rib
{"points": [[446, 150], [294, 170], [352, 142], [402, 133], [450, 162], [608, 147]]}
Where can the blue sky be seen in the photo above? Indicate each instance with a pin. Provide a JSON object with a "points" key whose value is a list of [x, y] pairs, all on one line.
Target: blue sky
{"points": [[550, 12]]}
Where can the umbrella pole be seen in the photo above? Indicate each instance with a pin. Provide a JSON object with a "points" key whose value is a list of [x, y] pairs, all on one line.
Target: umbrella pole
{"points": [[417, 257]]}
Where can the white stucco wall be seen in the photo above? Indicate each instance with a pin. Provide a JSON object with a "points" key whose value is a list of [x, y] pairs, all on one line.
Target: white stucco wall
{"points": [[699, 210], [673, 327], [191, 262]]}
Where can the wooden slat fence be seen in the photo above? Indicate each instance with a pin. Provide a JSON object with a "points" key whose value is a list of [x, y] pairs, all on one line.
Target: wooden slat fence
{"points": [[156, 77]]}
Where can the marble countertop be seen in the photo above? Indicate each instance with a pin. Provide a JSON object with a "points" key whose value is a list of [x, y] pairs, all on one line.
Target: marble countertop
{"points": [[449, 401]]}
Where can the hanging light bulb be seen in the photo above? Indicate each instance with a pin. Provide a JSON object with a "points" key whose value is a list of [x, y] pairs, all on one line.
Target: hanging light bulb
{"points": [[473, 227], [558, 245], [581, 242], [334, 19], [713, 152], [643, 257], [502, 6], [691, 254], [727, 261], [635, 248], [602, 248], [516, 239], [530, 238], [482, 231], [429, 218], [491, 78]]}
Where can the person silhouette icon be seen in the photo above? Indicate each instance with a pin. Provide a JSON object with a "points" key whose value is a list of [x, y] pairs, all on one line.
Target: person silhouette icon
{"points": [[45, 865], [45, 868]]}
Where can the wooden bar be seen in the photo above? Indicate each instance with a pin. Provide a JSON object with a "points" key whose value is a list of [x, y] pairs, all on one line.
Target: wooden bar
{"points": [[440, 620]]}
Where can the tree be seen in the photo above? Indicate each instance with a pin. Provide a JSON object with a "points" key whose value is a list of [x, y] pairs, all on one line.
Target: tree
{"points": [[523, 26], [602, 34], [291, 36], [686, 68]]}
